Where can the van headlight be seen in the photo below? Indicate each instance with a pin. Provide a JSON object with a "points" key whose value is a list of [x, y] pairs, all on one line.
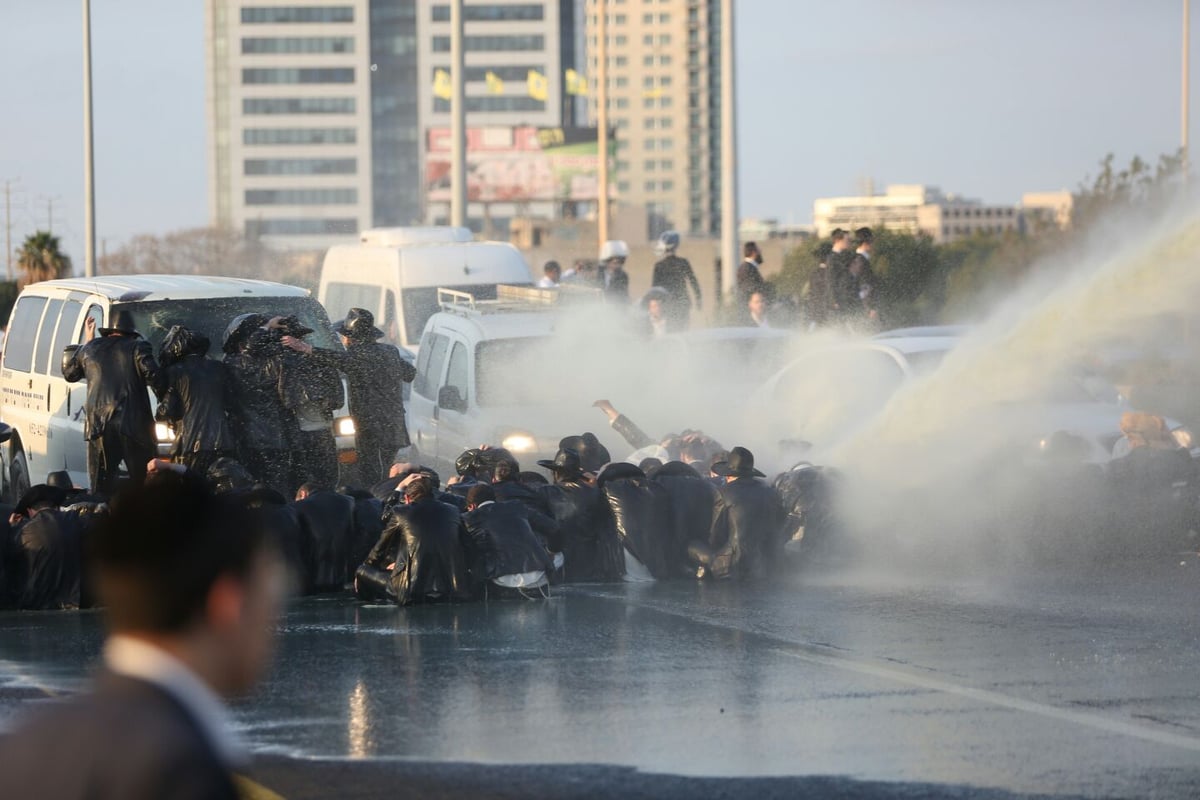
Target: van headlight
{"points": [[163, 433], [344, 426], [519, 443]]}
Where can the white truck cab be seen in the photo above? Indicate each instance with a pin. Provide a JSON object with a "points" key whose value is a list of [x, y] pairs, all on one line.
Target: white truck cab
{"points": [[46, 413], [395, 274], [487, 371]]}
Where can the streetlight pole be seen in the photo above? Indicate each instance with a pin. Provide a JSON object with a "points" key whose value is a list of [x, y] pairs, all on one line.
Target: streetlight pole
{"points": [[729, 210], [1183, 103], [89, 190], [602, 211], [458, 118]]}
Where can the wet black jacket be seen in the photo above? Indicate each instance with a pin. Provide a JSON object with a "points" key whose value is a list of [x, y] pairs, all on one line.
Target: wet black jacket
{"points": [[690, 503], [673, 274], [747, 529], [640, 514], [536, 507], [591, 549], [424, 539], [311, 385], [500, 541], [327, 525], [197, 400], [257, 380], [118, 369], [375, 373], [49, 560]]}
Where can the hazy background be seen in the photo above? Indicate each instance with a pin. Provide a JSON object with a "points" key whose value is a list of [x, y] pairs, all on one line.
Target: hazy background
{"points": [[986, 99]]}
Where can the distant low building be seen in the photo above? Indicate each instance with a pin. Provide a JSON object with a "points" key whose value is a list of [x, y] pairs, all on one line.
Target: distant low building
{"points": [[915, 208], [1054, 208]]}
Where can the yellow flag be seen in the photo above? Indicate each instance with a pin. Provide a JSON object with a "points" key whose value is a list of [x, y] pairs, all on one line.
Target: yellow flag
{"points": [[494, 84], [539, 87], [655, 92], [441, 85], [576, 83]]}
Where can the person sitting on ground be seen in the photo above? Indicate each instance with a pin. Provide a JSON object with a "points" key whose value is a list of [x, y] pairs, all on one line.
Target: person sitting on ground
{"points": [[44, 568], [746, 537], [500, 544], [590, 545], [419, 557], [192, 588]]}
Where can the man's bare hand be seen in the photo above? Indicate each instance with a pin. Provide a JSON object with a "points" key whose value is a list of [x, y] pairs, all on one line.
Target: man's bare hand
{"points": [[274, 322], [89, 328], [300, 346]]}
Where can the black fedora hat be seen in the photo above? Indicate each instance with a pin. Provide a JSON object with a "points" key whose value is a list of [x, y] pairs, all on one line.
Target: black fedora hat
{"points": [[566, 462], [292, 326], [123, 325], [359, 324], [739, 464], [41, 495]]}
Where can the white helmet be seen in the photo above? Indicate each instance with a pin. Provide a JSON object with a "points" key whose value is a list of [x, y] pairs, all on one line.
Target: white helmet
{"points": [[614, 248], [667, 243]]}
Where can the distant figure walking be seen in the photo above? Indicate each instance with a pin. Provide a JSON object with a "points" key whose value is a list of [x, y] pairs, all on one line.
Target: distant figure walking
{"points": [[673, 274]]}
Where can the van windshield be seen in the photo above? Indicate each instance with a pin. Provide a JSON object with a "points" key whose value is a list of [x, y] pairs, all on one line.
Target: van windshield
{"points": [[211, 316], [420, 303]]}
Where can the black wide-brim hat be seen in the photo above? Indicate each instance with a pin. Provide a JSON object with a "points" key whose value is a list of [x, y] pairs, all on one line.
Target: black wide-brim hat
{"points": [[359, 324], [123, 325], [42, 494], [740, 464], [566, 462]]}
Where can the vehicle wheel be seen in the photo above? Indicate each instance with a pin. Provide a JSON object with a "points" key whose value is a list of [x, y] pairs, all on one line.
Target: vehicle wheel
{"points": [[18, 477]]}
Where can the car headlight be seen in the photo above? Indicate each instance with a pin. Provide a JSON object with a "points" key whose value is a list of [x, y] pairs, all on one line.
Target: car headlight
{"points": [[1183, 437], [519, 443], [163, 433], [344, 426]]}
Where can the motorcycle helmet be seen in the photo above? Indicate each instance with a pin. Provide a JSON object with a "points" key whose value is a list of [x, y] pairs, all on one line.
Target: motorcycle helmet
{"points": [[614, 248], [667, 243]]}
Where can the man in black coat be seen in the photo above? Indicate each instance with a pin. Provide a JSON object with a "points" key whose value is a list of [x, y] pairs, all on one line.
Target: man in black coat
{"points": [[118, 366], [591, 549], [327, 526], [197, 400], [499, 540], [419, 558], [312, 392], [749, 279], [747, 523], [673, 274], [375, 374], [691, 502], [190, 616], [254, 358]]}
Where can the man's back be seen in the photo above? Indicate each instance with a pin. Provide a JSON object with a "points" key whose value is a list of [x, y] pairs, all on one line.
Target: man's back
{"points": [[117, 370], [430, 562], [374, 374], [673, 274], [127, 739]]}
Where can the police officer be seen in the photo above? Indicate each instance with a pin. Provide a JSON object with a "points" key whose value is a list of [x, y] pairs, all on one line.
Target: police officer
{"points": [[673, 273]]}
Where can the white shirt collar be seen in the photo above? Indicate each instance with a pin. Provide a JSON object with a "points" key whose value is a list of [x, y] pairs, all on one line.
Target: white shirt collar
{"points": [[135, 658]]}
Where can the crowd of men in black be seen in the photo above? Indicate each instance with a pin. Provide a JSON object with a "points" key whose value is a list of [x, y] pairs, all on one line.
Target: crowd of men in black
{"points": [[492, 530]]}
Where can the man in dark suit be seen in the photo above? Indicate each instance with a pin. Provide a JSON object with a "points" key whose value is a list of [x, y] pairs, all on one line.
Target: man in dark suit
{"points": [[749, 278], [118, 365], [192, 587]]}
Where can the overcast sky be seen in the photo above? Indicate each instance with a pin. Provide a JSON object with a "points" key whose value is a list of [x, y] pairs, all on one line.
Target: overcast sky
{"points": [[983, 98]]}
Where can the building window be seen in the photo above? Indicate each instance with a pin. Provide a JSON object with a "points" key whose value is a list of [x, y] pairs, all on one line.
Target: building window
{"points": [[526, 12], [649, 165], [650, 144], [666, 164], [668, 186], [648, 123], [647, 61], [621, 166], [252, 136], [298, 44], [620, 19], [622, 82], [493, 44], [650, 186], [301, 197], [647, 102], [647, 19], [621, 40], [505, 73], [648, 82], [666, 144], [300, 227], [298, 105], [664, 38], [621, 61], [622, 102], [664, 19], [623, 186], [314, 75], [664, 61], [648, 40], [300, 166], [256, 14], [493, 102], [664, 123]]}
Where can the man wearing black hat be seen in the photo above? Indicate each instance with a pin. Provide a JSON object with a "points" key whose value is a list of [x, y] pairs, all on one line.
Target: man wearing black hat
{"points": [[747, 522], [254, 359], [197, 400], [749, 279], [374, 372], [312, 391], [824, 283], [857, 294], [118, 366], [591, 550]]}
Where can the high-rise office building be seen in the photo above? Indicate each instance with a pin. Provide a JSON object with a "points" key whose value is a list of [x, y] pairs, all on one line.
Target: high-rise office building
{"points": [[664, 102], [312, 113], [504, 44]]}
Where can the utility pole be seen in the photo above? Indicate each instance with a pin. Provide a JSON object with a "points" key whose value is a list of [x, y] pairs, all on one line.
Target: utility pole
{"points": [[49, 215], [1183, 104], [602, 212], [729, 210], [8, 250], [89, 190], [458, 118]]}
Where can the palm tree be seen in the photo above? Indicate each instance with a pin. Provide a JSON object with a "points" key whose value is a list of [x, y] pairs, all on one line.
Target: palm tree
{"points": [[41, 260]]}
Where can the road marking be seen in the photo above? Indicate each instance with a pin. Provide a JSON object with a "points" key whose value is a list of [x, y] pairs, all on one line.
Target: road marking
{"points": [[819, 655]]}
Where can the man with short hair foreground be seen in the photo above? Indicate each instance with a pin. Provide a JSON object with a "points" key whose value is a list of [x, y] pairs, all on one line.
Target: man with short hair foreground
{"points": [[192, 588]]}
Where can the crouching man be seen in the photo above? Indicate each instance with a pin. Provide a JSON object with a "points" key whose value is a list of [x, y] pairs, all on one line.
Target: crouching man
{"points": [[419, 557], [501, 545], [192, 588]]}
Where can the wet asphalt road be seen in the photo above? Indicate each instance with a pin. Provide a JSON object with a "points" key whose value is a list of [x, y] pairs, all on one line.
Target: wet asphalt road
{"points": [[1059, 682]]}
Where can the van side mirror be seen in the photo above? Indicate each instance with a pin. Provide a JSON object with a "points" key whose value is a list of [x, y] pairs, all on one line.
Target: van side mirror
{"points": [[67, 355], [451, 399]]}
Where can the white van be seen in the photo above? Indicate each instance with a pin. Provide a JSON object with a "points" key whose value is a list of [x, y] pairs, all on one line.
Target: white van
{"points": [[46, 412], [395, 273]]}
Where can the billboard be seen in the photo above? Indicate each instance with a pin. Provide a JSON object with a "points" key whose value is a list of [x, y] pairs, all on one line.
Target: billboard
{"points": [[516, 164]]}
